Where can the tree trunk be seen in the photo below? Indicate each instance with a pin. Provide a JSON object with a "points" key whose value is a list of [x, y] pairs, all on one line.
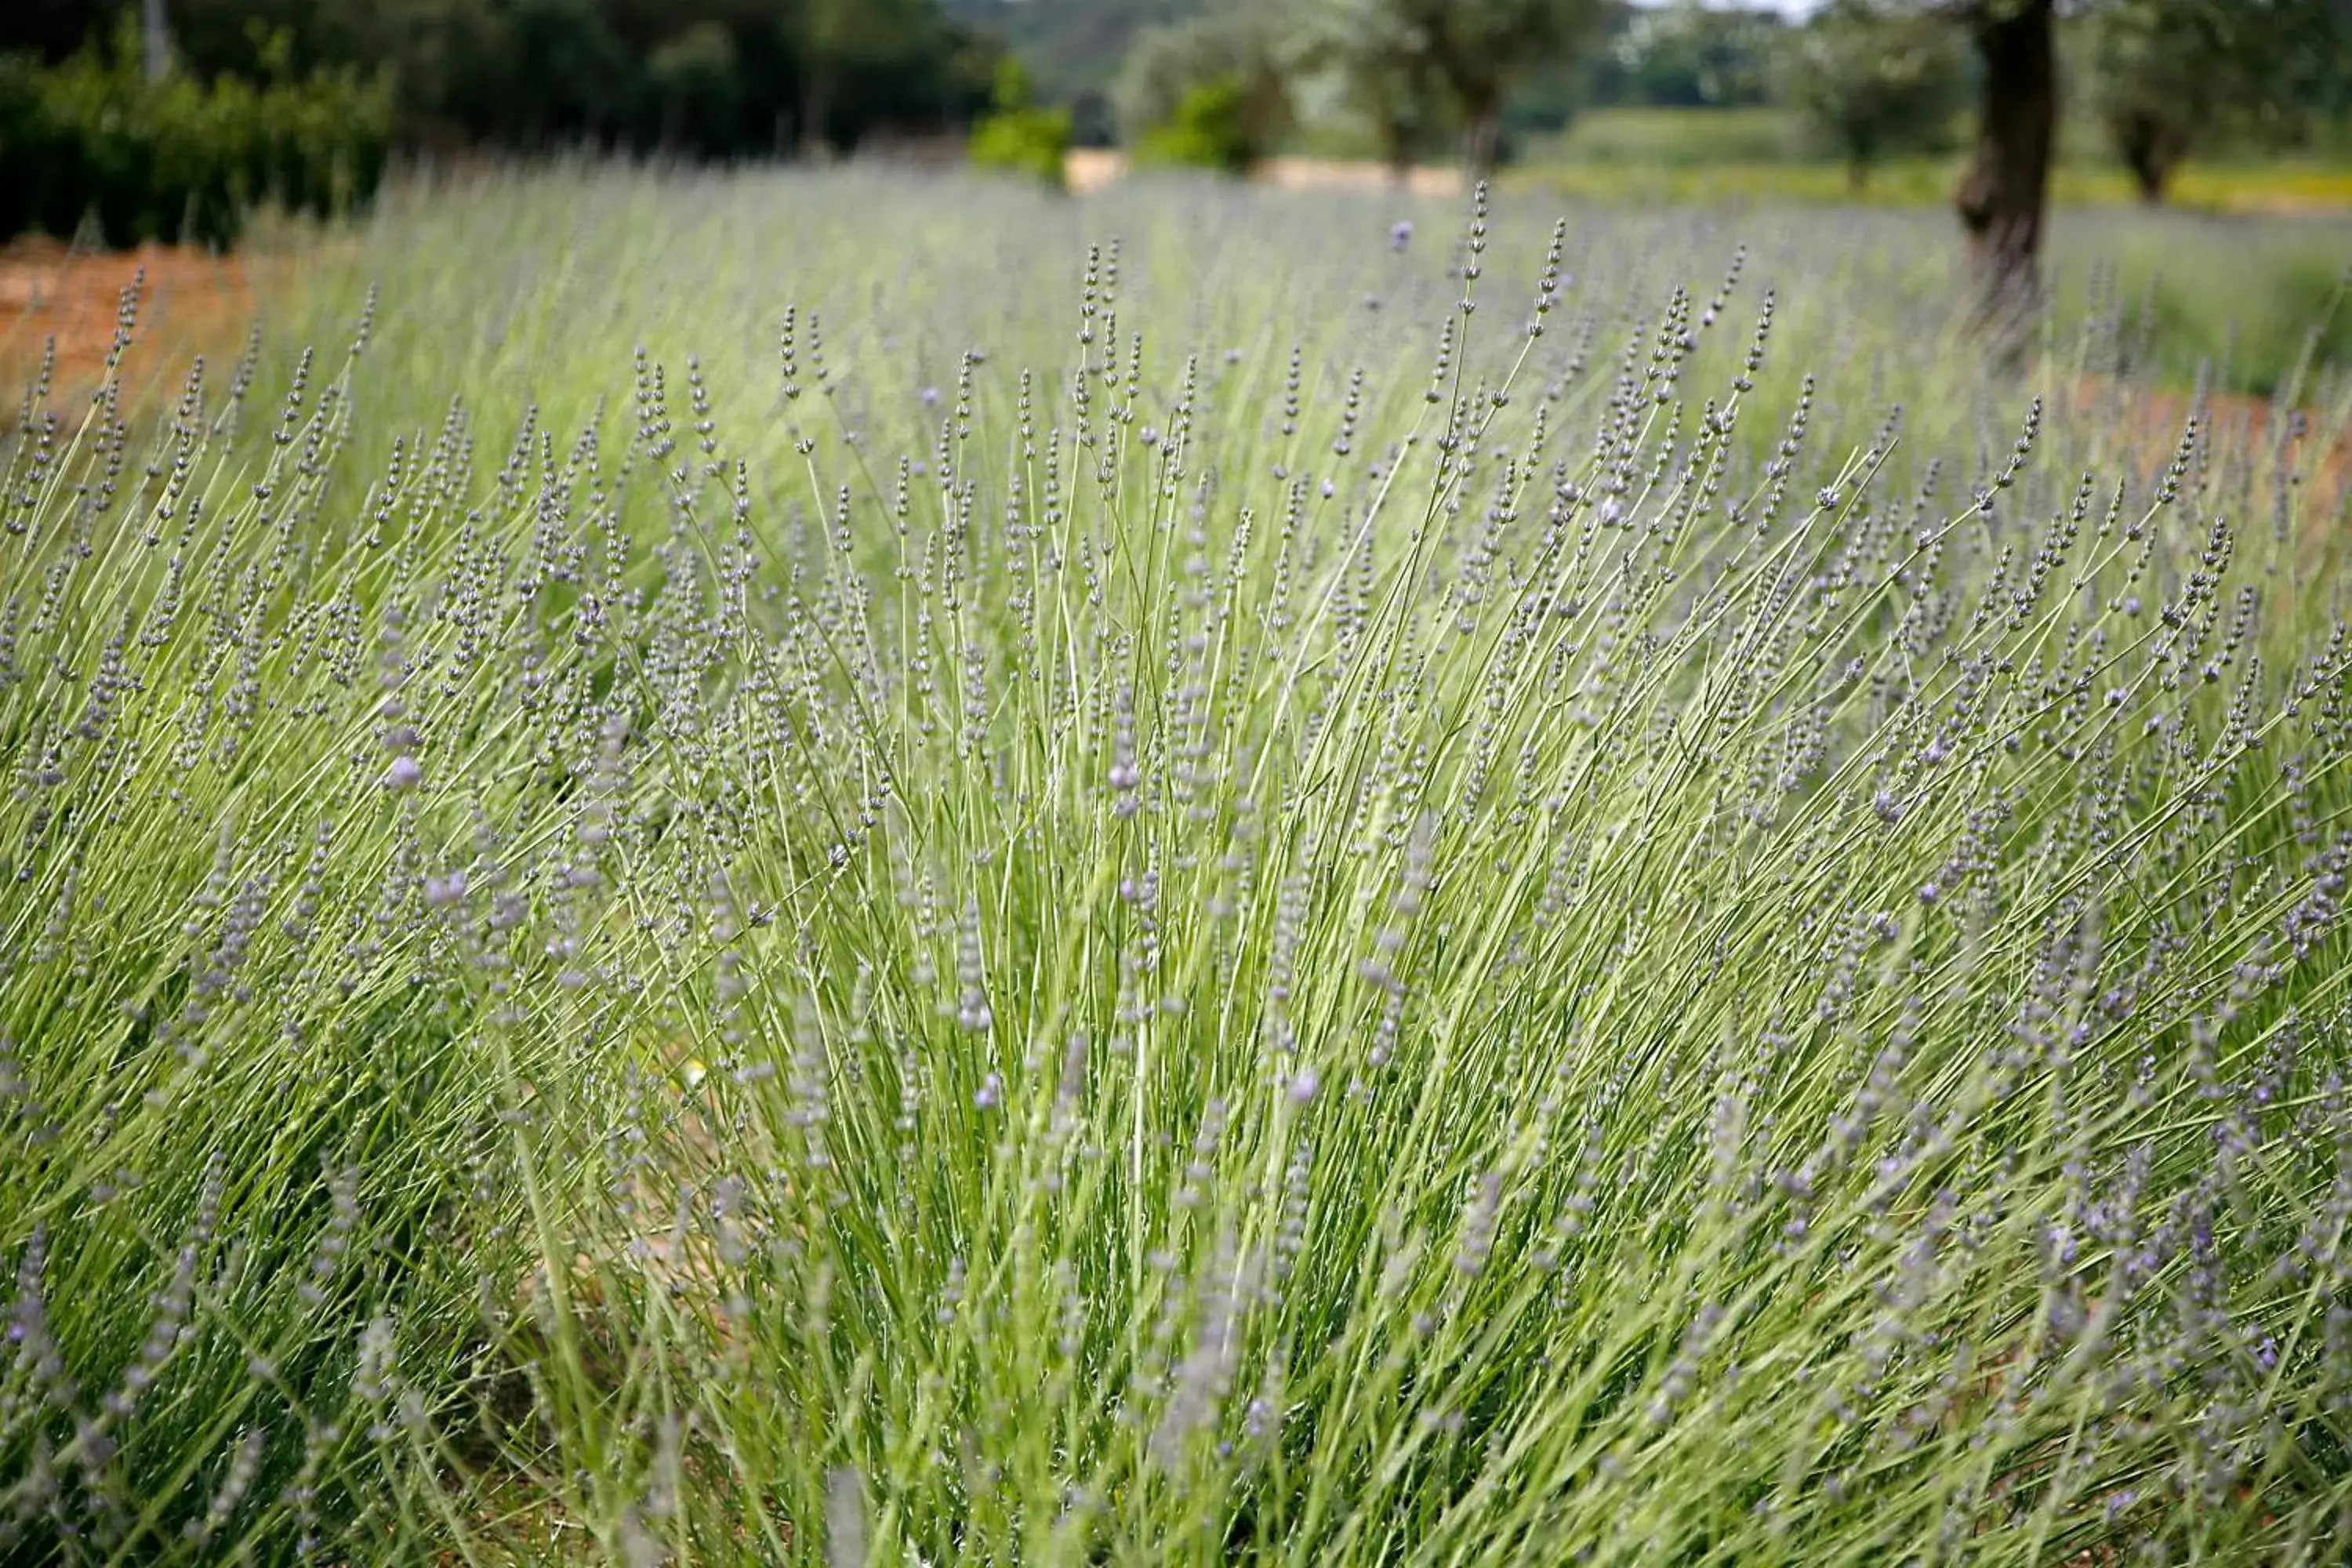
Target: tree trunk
{"points": [[1396, 149], [158, 39], [1482, 143], [1391, 105], [816, 107], [2005, 196], [2151, 150]]}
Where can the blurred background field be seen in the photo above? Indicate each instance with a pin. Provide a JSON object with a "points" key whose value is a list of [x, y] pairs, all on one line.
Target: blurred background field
{"points": [[1764, 153]]}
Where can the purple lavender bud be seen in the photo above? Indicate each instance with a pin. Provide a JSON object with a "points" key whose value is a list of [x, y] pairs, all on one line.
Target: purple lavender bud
{"points": [[404, 774]]}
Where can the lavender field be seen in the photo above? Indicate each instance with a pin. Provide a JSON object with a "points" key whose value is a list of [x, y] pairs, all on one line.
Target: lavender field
{"points": [[834, 869]]}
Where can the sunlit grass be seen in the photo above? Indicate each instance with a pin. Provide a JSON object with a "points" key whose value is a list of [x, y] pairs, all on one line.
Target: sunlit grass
{"points": [[2250, 188]]}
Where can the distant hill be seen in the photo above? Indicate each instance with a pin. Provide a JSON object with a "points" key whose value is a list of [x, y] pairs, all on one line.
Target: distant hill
{"points": [[1072, 47]]}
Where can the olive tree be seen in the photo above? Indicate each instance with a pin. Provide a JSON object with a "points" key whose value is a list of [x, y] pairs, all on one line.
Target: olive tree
{"points": [[1239, 59], [1407, 62], [1873, 77], [2166, 74], [2167, 70]]}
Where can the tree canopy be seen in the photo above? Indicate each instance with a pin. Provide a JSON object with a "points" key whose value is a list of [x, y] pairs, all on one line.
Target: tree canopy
{"points": [[1874, 77], [1409, 67], [2163, 75], [1220, 82], [717, 77]]}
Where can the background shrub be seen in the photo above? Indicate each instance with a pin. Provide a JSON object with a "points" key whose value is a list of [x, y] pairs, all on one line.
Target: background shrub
{"points": [[1208, 131], [1019, 135], [90, 139]]}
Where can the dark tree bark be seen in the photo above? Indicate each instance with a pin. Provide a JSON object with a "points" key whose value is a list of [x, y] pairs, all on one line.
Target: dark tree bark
{"points": [[816, 109], [1396, 153], [1396, 105], [2004, 198], [1482, 107], [2152, 148]]}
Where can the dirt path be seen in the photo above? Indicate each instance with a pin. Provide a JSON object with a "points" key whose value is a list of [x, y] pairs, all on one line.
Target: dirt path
{"points": [[1089, 169], [189, 303]]}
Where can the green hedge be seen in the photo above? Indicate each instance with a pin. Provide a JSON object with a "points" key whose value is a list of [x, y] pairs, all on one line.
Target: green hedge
{"points": [[181, 160]]}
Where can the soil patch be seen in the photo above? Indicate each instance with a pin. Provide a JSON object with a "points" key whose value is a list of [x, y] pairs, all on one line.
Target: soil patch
{"points": [[2313, 446], [188, 302]]}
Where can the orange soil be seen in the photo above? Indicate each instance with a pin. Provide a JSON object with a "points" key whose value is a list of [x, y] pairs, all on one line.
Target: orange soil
{"points": [[2152, 419], [190, 303]]}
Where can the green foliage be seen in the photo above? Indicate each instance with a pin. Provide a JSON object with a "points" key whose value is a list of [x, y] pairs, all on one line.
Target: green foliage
{"points": [[2164, 76], [1215, 91], [1208, 130], [695, 76], [2275, 319], [716, 78], [1407, 63], [1874, 77], [91, 139], [1018, 136], [1073, 48], [1690, 55]]}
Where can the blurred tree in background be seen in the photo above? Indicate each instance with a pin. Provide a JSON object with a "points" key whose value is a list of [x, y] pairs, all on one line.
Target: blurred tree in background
{"points": [[1474, 53], [116, 144], [1688, 54], [1213, 91], [2166, 75], [1373, 65], [704, 77], [2165, 72], [1018, 136], [1874, 77]]}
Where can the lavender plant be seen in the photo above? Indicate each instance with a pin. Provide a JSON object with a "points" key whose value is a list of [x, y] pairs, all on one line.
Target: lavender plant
{"points": [[813, 868]]}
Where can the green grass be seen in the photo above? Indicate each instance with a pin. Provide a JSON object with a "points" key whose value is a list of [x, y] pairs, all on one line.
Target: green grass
{"points": [[813, 867], [1684, 156], [1741, 176], [1664, 138]]}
